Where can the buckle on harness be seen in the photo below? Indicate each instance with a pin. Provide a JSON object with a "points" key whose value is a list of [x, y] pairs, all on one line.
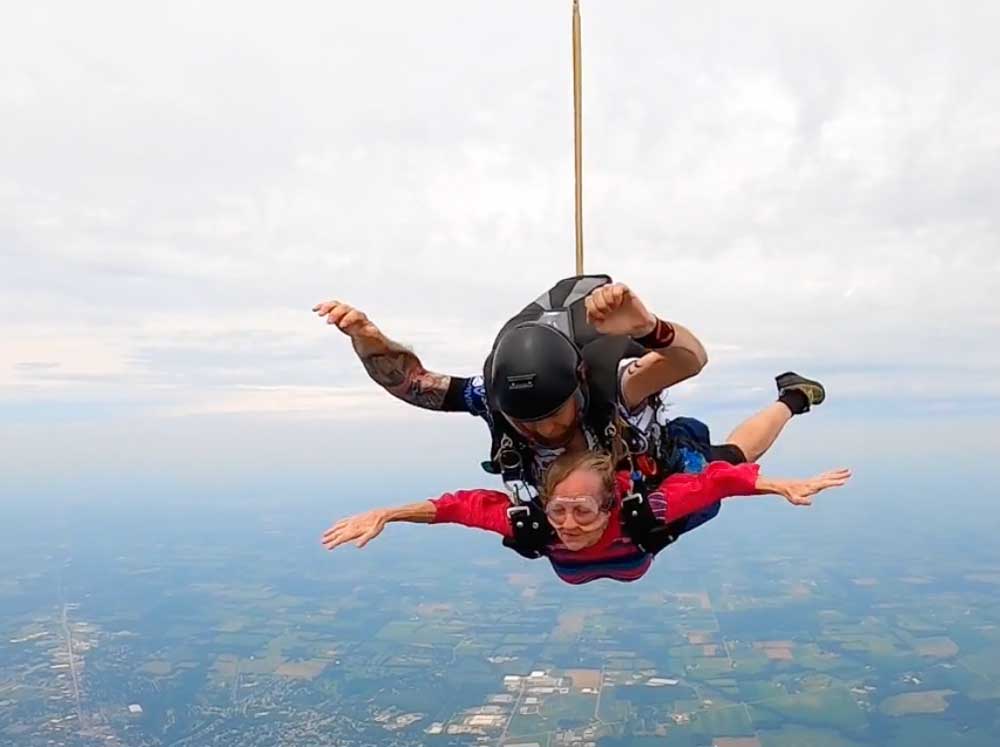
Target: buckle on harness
{"points": [[530, 531], [647, 532], [633, 504], [522, 511], [511, 468]]}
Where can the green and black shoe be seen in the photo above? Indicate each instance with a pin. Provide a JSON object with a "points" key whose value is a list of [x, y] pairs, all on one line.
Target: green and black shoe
{"points": [[811, 392]]}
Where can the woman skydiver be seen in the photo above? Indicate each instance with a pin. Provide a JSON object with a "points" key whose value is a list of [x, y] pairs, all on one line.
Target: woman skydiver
{"points": [[583, 500]]}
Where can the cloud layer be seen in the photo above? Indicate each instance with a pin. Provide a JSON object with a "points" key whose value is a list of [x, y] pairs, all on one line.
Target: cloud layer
{"points": [[800, 186]]}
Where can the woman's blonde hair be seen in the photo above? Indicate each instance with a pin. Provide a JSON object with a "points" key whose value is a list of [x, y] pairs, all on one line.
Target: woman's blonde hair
{"points": [[603, 462], [596, 461]]}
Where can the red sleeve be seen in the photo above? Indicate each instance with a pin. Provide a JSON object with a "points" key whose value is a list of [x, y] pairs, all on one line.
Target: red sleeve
{"points": [[689, 493], [482, 509]]}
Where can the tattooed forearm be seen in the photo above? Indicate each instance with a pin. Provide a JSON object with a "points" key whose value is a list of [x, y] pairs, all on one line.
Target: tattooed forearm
{"points": [[428, 390], [388, 370], [401, 374]]}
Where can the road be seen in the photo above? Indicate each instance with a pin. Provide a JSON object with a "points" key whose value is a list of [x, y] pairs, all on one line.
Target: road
{"points": [[74, 676]]}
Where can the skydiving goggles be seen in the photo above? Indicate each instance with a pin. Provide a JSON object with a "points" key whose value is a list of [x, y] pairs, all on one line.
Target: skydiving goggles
{"points": [[584, 509]]}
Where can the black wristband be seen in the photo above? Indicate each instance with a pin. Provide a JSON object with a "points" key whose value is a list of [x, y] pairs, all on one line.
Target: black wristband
{"points": [[454, 398], [662, 336]]}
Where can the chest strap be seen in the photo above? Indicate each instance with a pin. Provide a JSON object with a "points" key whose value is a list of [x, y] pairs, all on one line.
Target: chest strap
{"points": [[641, 525], [531, 530]]}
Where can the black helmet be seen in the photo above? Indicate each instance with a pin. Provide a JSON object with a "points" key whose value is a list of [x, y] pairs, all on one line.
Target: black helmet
{"points": [[536, 368]]}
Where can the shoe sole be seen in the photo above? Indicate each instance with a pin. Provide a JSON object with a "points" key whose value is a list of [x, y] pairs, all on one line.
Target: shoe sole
{"points": [[813, 390]]}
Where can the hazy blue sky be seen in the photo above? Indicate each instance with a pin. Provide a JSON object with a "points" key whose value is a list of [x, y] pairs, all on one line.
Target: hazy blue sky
{"points": [[805, 186]]}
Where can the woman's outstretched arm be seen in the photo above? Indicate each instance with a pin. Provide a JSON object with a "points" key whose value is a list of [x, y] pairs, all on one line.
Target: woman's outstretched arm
{"points": [[363, 528], [481, 509], [684, 494], [800, 492]]}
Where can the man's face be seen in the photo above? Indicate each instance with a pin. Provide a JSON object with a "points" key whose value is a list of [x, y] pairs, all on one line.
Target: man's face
{"points": [[555, 431]]}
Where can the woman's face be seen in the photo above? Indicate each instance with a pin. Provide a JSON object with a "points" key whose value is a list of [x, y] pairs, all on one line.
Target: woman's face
{"points": [[576, 509]]}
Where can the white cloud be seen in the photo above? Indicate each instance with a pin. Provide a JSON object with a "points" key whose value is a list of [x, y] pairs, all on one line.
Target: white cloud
{"points": [[798, 185]]}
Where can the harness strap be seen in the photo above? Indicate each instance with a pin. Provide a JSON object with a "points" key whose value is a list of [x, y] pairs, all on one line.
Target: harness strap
{"points": [[641, 525], [531, 530]]}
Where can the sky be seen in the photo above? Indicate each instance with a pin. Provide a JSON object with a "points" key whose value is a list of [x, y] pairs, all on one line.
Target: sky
{"points": [[805, 186]]}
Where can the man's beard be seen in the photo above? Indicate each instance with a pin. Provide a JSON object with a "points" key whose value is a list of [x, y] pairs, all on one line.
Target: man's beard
{"points": [[551, 443]]}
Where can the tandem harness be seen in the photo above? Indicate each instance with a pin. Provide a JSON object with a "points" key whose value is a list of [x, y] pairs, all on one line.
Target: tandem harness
{"points": [[563, 308], [532, 532]]}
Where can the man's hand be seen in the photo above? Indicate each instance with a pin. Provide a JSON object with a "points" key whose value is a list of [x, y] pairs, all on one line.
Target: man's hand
{"points": [[361, 529], [614, 310], [365, 336], [349, 320], [800, 492], [389, 364]]}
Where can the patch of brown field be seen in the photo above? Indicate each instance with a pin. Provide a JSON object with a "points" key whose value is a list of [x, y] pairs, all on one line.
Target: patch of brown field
{"points": [[700, 597], [711, 650], [433, 609], [158, 668], [226, 665], [736, 742], [931, 701], [302, 670], [776, 650], [938, 646], [570, 625], [698, 637], [776, 653], [261, 664], [865, 581], [585, 678]]}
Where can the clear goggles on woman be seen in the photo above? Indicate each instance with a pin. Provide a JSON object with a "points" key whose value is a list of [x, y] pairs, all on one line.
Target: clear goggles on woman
{"points": [[584, 509]]}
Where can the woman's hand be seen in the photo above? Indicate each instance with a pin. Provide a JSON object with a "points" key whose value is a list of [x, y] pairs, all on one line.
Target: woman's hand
{"points": [[361, 529], [800, 492]]}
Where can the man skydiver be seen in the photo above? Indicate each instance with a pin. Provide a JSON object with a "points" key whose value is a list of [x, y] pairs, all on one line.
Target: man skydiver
{"points": [[548, 415], [675, 355]]}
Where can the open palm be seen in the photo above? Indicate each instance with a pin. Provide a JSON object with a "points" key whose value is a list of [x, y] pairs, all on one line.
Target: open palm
{"points": [[800, 492], [360, 529]]}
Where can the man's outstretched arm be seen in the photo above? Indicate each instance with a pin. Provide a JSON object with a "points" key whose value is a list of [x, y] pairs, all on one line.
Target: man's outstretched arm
{"points": [[675, 353], [392, 366], [481, 509]]}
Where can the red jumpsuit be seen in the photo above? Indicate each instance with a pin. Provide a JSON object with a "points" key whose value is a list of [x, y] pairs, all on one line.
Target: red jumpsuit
{"points": [[614, 555]]}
